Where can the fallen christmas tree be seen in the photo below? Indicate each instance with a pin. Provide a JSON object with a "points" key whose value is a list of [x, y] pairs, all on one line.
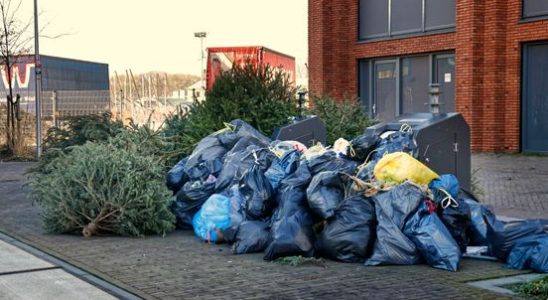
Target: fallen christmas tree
{"points": [[110, 187]]}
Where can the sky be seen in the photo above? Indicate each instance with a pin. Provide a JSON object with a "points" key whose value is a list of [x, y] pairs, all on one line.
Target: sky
{"points": [[159, 35]]}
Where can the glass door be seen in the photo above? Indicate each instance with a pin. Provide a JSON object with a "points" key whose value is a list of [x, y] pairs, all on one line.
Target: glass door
{"points": [[385, 87], [444, 74]]}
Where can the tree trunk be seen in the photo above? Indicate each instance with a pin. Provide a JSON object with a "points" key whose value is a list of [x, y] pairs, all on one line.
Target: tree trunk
{"points": [[8, 123]]}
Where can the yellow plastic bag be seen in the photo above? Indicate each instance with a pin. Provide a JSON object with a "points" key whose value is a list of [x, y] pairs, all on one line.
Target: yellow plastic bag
{"points": [[398, 167]]}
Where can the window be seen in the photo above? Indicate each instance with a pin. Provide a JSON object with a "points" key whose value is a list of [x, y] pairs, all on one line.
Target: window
{"points": [[406, 16], [391, 87], [535, 8], [385, 18], [438, 15], [415, 76], [373, 18]]}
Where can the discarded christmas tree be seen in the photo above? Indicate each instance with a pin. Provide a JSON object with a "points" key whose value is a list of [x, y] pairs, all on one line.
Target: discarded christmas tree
{"points": [[104, 188]]}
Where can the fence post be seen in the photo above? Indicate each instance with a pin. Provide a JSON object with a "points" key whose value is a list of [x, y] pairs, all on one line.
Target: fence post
{"points": [[54, 108]]}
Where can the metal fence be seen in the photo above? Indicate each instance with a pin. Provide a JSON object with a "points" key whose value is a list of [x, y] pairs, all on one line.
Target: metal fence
{"points": [[55, 106]]}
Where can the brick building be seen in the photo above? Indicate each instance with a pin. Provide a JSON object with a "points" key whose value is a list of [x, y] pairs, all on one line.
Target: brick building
{"points": [[490, 58]]}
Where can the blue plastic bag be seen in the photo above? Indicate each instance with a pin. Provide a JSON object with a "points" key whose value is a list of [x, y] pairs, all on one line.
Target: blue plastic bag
{"points": [[392, 208], [291, 232], [447, 182], [396, 142], [349, 235], [457, 219], [433, 240], [257, 193], [252, 236], [477, 232], [215, 216], [530, 252], [502, 236], [237, 162], [282, 167], [325, 192]]}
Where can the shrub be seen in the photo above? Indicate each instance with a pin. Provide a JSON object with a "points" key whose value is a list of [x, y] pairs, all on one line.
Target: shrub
{"points": [[104, 188], [77, 130], [345, 119], [536, 289], [260, 96]]}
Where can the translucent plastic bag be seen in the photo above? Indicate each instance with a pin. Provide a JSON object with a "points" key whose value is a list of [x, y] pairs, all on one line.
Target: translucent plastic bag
{"points": [[398, 167]]}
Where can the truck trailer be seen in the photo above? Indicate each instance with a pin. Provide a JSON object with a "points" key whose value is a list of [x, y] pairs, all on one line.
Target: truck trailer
{"points": [[220, 59]]}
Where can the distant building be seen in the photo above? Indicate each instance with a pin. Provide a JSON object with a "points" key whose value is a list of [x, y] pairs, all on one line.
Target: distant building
{"points": [[186, 96], [76, 86]]}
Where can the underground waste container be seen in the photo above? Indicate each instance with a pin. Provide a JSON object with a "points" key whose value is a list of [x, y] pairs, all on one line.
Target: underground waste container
{"points": [[443, 141]]}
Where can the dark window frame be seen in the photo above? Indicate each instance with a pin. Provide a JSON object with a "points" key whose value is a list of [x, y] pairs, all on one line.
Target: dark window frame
{"points": [[409, 33]]}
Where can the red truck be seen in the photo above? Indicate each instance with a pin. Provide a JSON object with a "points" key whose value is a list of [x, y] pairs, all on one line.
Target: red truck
{"points": [[221, 59]]}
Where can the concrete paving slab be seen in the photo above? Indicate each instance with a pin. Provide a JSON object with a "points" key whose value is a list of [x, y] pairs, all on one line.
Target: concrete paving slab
{"points": [[13, 259], [48, 284], [497, 285]]}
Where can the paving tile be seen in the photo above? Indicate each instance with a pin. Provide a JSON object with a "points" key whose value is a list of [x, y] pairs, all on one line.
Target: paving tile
{"points": [[48, 284], [13, 259]]}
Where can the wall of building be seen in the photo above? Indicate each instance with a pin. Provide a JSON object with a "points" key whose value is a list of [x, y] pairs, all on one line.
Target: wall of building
{"points": [[487, 42]]}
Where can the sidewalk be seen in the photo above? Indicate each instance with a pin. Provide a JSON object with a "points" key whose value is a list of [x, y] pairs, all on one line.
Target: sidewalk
{"points": [[25, 276], [514, 185], [179, 266]]}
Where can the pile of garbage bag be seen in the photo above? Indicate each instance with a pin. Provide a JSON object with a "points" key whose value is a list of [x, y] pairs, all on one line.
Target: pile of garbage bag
{"points": [[365, 201]]}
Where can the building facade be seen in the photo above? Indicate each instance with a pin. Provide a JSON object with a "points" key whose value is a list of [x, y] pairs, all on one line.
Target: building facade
{"points": [[489, 57]]}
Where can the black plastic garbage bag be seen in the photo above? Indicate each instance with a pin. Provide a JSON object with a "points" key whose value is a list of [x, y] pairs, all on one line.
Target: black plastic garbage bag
{"points": [[530, 253], [184, 212], [238, 162], [252, 237], [282, 167], [206, 159], [246, 141], [361, 146], [299, 179], [208, 155], [195, 193], [291, 232], [477, 231], [204, 169], [348, 237], [432, 239], [257, 193], [243, 129], [237, 214], [502, 236], [457, 219], [392, 208], [331, 161], [176, 177], [396, 142], [189, 199], [325, 192]]}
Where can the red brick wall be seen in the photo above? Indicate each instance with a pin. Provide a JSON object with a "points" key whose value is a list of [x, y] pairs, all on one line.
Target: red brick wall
{"points": [[487, 41]]}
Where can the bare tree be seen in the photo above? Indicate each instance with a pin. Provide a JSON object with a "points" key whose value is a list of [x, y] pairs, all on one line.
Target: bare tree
{"points": [[14, 45]]}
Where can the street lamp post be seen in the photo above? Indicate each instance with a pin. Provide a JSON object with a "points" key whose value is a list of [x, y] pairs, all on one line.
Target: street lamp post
{"points": [[38, 84], [201, 35]]}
